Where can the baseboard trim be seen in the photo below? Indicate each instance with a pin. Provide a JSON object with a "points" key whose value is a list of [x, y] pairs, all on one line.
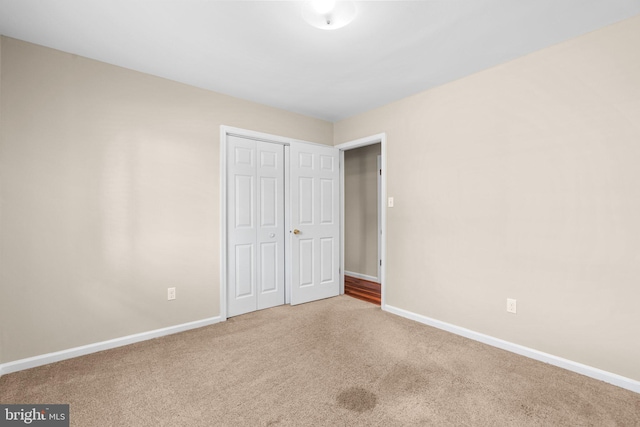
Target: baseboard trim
{"points": [[57, 356], [589, 371], [362, 276]]}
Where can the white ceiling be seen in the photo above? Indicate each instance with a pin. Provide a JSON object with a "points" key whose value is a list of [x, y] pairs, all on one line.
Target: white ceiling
{"points": [[265, 52]]}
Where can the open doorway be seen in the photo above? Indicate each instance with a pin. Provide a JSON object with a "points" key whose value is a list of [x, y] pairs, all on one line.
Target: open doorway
{"points": [[363, 231], [362, 172]]}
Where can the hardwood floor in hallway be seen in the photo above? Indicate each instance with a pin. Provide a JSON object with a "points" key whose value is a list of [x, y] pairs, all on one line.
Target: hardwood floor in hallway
{"points": [[362, 289]]}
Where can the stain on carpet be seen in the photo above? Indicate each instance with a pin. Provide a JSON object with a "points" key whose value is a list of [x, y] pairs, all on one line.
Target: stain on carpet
{"points": [[527, 410], [357, 399]]}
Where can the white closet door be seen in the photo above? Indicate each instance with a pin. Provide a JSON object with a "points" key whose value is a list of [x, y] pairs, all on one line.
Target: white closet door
{"points": [[255, 218], [270, 268], [315, 220]]}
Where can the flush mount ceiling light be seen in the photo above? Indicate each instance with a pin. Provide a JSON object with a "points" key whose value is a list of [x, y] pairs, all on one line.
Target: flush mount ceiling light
{"points": [[328, 14]]}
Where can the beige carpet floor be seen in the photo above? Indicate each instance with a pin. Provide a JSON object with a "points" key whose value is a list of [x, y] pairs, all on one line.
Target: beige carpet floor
{"points": [[339, 362]]}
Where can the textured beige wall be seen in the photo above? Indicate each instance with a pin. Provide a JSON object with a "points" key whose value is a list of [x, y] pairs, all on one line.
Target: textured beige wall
{"points": [[361, 210], [523, 181], [110, 194]]}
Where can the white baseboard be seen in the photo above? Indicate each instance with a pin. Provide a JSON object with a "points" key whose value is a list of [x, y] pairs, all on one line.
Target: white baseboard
{"points": [[57, 356], [589, 371], [361, 276]]}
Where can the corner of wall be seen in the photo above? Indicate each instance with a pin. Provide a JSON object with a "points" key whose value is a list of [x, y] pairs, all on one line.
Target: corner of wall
{"points": [[1, 127]]}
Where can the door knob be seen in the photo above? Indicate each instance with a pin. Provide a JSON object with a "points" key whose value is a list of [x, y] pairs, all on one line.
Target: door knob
{"points": [[296, 231]]}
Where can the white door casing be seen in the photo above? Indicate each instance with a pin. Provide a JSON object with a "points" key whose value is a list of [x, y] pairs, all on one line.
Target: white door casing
{"points": [[255, 225], [380, 138], [315, 222], [379, 211], [325, 268]]}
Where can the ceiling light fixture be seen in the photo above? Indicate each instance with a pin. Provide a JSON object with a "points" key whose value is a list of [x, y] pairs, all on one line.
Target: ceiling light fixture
{"points": [[328, 14]]}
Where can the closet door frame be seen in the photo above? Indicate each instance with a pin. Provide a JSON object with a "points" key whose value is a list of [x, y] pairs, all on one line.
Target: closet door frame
{"points": [[225, 132]]}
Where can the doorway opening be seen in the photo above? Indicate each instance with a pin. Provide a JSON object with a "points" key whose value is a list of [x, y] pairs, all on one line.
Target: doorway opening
{"points": [[363, 222], [362, 173]]}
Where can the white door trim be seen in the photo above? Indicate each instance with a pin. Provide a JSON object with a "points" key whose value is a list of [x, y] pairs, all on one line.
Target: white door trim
{"points": [[260, 136], [226, 131], [341, 184], [380, 208], [380, 138]]}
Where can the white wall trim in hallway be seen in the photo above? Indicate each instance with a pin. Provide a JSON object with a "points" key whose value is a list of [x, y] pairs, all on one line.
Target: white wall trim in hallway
{"points": [[361, 276]]}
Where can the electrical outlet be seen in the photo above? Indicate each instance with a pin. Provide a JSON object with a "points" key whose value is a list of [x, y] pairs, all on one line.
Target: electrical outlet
{"points": [[511, 305], [390, 202], [171, 293]]}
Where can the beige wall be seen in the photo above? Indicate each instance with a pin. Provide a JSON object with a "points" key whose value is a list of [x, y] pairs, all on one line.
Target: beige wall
{"points": [[361, 210], [523, 181], [110, 194]]}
